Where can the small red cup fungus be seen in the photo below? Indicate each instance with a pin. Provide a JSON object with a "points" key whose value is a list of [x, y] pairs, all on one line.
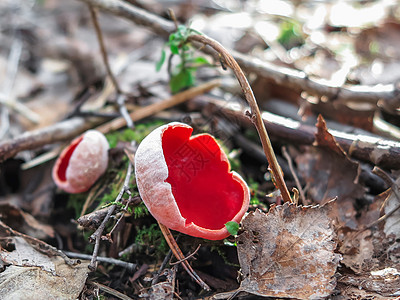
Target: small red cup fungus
{"points": [[186, 182], [82, 162]]}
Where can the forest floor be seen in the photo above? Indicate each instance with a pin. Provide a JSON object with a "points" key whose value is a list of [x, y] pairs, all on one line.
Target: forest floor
{"points": [[326, 78]]}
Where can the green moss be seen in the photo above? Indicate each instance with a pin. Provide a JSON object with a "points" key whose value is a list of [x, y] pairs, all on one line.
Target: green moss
{"points": [[221, 253], [254, 186], [152, 236], [141, 211]]}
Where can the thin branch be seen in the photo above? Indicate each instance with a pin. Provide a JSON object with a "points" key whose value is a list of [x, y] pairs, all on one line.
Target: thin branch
{"points": [[122, 215], [124, 111], [127, 265], [290, 78], [187, 257], [30, 140], [96, 236], [163, 264], [255, 111], [180, 257], [12, 69], [159, 106], [110, 291], [371, 148], [70, 128], [93, 15]]}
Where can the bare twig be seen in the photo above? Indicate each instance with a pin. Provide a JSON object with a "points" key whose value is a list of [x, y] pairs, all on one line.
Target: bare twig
{"points": [[187, 257], [111, 291], [124, 111], [96, 236], [372, 148], [255, 111], [159, 106], [290, 78], [122, 214], [103, 50], [29, 140], [163, 264], [70, 128], [179, 256], [12, 69], [127, 265], [120, 98]]}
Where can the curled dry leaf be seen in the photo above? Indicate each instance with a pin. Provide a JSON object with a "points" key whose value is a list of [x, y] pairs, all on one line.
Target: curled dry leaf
{"points": [[288, 252], [38, 272], [357, 250], [330, 173]]}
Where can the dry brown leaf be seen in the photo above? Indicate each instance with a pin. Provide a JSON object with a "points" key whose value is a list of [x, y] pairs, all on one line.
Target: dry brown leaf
{"points": [[36, 268], [330, 173], [288, 252], [357, 250]]}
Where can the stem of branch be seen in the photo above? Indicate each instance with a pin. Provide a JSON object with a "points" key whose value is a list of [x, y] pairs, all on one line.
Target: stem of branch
{"points": [[255, 111], [96, 236], [93, 14]]}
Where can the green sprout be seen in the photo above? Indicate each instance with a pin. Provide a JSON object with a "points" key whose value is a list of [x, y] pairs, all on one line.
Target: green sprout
{"points": [[183, 74]]}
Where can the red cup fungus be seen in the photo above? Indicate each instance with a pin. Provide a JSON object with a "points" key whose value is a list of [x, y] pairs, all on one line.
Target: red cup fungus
{"points": [[82, 162], [186, 182]]}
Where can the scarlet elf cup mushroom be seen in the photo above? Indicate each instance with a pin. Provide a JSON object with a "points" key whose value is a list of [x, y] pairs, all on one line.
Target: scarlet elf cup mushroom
{"points": [[82, 162], [186, 183]]}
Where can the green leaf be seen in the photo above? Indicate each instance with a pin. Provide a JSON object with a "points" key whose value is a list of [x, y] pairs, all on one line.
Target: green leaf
{"points": [[200, 60], [161, 61], [183, 79], [174, 48], [232, 227]]}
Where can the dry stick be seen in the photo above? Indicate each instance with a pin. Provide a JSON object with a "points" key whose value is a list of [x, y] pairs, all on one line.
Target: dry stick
{"points": [[179, 255], [8, 83], [187, 257], [163, 264], [160, 106], [291, 78], [127, 265], [70, 128], [371, 148], [55, 133], [103, 50], [96, 236], [255, 111], [121, 98], [111, 291]]}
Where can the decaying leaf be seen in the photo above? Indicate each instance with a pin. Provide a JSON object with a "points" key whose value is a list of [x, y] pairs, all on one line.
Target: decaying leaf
{"points": [[34, 268], [288, 252], [357, 250], [330, 173]]}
